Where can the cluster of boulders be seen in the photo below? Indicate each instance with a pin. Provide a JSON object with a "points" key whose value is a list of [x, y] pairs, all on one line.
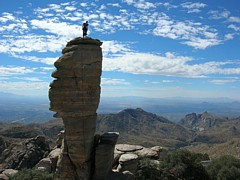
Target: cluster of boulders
{"points": [[19, 155], [112, 161]]}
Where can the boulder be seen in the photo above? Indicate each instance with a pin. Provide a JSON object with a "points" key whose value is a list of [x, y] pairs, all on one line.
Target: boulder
{"points": [[9, 172], [53, 156], [128, 162], [147, 152], [44, 164], [128, 147], [3, 177]]}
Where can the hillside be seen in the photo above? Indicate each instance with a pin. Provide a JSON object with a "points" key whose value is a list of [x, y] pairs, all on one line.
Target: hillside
{"points": [[137, 126], [201, 122]]}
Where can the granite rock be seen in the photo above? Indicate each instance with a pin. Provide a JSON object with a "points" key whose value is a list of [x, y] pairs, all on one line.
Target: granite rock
{"points": [[75, 95], [104, 154], [128, 162]]}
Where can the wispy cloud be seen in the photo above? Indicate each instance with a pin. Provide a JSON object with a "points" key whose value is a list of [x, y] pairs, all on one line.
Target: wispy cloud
{"points": [[24, 87], [222, 81], [190, 33], [168, 64], [46, 60], [6, 71], [108, 81], [140, 4], [219, 14], [193, 7], [31, 79]]}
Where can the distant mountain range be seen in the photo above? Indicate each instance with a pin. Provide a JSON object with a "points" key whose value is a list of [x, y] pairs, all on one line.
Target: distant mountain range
{"points": [[15, 108]]}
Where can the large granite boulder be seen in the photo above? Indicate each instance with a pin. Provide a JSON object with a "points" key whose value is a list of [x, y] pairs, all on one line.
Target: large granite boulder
{"points": [[128, 162]]}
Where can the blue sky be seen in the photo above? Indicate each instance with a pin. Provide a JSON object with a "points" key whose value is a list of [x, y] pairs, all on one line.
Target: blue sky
{"points": [[151, 48]]}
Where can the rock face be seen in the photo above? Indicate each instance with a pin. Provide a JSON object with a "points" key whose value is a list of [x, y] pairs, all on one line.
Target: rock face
{"points": [[104, 155], [26, 154], [201, 122], [75, 95]]}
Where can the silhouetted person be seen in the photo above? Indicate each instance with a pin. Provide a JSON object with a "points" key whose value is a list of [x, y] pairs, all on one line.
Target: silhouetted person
{"points": [[85, 28]]}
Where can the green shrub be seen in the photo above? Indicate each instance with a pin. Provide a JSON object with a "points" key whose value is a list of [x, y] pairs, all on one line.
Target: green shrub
{"points": [[224, 168], [183, 164], [147, 170], [32, 174], [180, 164]]}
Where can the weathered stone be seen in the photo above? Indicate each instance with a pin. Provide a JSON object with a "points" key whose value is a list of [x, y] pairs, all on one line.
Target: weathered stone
{"points": [[147, 152], [60, 139], [26, 154], [3, 177], [157, 148], [75, 96], [128, 162], [10, 172], [54, 155], [109, 138], [104, 154], [45, 164], [128, 147]]}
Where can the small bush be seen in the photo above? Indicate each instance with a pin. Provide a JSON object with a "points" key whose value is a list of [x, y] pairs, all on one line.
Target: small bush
{"points": [[224, 168], [147, 170], [32, 174]]}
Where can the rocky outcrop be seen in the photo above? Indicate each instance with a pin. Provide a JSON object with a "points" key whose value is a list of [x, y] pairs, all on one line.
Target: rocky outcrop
{"points": [[26, 154], [201, 122], [75, 96], [104, 155]]}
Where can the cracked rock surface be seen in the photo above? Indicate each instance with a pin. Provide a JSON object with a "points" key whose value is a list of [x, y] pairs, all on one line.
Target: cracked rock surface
{"points": [[75, 95]]}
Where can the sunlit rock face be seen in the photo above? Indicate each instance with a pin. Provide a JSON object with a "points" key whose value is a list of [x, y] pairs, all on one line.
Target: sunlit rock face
{"points": [[75, 95]]}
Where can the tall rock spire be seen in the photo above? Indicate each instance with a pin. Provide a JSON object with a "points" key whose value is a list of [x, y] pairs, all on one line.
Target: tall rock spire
{"points": [[75, 95]]}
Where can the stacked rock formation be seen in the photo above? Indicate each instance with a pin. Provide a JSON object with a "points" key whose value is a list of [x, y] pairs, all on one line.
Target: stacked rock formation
{"points": [[74, 95]]}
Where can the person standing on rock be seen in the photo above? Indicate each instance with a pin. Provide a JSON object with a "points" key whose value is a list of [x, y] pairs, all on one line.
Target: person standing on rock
{"points": [[85, 28]]}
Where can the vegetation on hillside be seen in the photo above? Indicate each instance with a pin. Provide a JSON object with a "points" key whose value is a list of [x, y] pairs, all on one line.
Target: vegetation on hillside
{"points": [[33, 174], [182, 164]]}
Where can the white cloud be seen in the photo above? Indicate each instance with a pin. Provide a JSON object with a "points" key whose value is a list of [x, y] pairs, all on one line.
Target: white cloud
{"points": [[193, 34], [25, 88], [229, 36], [70, 8], [168, 64], [140, 4], [114, 4], [234, 27], [193, 7], [6, 71], [167, 81], [6, 17], [219, 15], [151, 82], [33, 79], [46, 60], [200, 43], [222, 81], [47, 68], [234, 19], [57, 28], [108, 81], [113, 47]]}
